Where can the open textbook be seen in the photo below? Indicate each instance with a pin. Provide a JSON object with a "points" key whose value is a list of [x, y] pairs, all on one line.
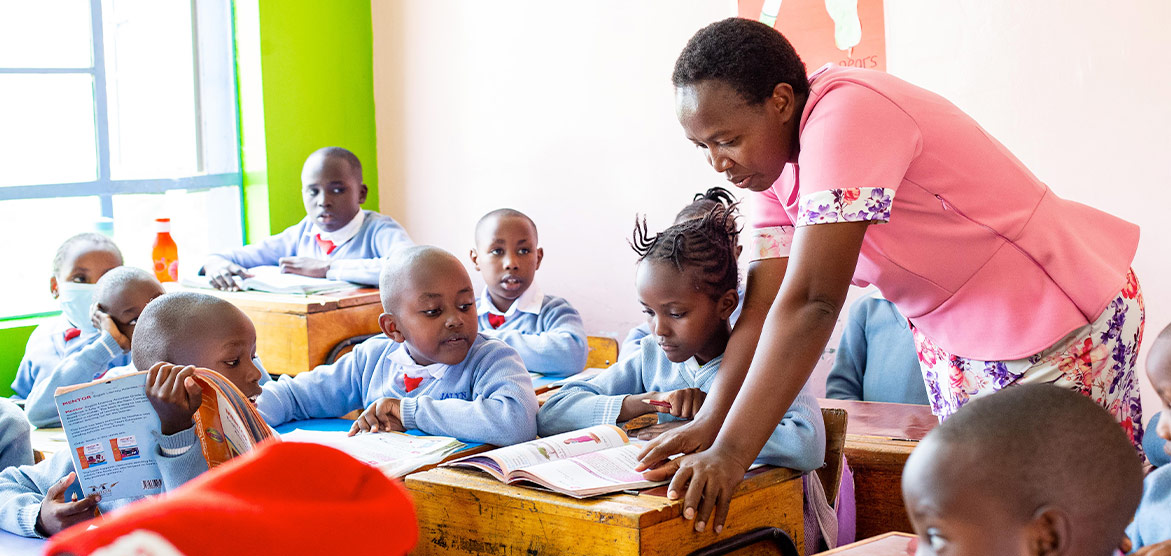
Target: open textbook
{"points": [[581, 463], [113, 431], [395, 453], [270, 279]]}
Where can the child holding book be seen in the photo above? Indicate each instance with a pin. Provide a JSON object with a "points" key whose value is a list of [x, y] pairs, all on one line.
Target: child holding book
{"points": [[430, 370], [191, 328], [336, 239], [545, 330], [1032, 469], [686, 280], [78, 264], [120, 296], [1151, 530]]}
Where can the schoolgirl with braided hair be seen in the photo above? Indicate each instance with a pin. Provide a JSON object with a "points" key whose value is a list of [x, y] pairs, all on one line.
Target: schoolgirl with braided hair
{"points": [[687, 279]]}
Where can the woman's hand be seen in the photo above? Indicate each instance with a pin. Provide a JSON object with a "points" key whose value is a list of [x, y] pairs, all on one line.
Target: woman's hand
{"points": [[710, 479], [1161, 549], [693, 437]]}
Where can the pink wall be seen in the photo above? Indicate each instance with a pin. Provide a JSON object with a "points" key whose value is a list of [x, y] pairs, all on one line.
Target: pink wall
{"points": [[564, 110]]}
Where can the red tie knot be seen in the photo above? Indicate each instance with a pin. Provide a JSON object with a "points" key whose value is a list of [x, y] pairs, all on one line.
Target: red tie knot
{"points": [[495, 320], [325, 245], [411, 382], [71, 333]]}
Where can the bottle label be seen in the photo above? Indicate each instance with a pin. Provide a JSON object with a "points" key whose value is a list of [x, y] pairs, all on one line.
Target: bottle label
{"points": [[166, 270]]}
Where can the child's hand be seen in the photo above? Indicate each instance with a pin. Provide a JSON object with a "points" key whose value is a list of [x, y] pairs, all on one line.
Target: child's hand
{"points": [[305, 266], [174, 394], [223, 274], [683, 403], [647, 433], [57, 514], [383, 415], [104, 321], [1160, 549]]}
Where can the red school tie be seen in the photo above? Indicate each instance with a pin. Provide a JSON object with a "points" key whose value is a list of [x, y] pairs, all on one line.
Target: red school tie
{"points": [[325, 244], [411, 382], [71, 333], [495, 320]]}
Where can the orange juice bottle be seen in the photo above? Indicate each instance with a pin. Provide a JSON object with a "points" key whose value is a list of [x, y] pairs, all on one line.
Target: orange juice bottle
{"points": [[164, 253]]}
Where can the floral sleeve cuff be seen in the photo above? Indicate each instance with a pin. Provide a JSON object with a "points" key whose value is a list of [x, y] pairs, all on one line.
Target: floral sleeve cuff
{"points": [[773, 242], [855, 204]]}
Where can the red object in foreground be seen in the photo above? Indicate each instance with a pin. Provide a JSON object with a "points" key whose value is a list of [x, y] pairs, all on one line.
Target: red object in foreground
{"points": [[165, 253]]}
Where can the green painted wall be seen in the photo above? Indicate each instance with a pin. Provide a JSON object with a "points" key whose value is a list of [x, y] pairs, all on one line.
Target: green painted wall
{"points": [[306, 77], [13, 336]]}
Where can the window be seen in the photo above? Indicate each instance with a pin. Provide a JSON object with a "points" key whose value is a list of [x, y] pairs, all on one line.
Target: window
{"points": [[115, 111]]}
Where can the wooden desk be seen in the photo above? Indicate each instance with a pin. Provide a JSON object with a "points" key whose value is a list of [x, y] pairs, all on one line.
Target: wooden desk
{"points": [[47, 442], [889, 544], [879, 439], [467, 512], [294, 333]]}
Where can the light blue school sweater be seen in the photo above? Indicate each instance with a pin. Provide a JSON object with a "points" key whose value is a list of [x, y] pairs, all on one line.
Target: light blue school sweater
{"points": [[1153, 444], [876, 359], [47, 348], [549, 336], [797, 443], [358, 260], [488, 397], [15, 445], [636, 334], [1152, 521], [87, 364]]}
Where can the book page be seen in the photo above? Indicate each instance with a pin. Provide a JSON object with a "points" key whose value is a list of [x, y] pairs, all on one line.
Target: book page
{"points": [[592, 473], [111, 426], [271, 279], [394, 452], [561, 446]]}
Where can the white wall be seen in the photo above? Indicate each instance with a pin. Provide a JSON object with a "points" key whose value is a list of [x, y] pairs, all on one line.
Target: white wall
{"points": [[564, 110]]}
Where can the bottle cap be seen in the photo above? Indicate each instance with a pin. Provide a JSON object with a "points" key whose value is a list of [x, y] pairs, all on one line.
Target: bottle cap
{"points": [[162, 225]]}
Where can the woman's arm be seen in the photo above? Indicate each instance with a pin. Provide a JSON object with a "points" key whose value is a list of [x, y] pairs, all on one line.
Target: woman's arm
{"points": [[792, 339]]}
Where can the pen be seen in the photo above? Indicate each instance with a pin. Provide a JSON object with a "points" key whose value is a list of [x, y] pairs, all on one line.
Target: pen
{"points": [[657, 403]]}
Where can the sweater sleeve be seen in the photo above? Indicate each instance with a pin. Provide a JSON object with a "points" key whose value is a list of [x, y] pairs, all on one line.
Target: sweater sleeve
{"points": [[845, 378], [798, 442], [23, 488], [180, 457], [85, 365], [267, 251], [502, 410], [559, 349], [329, 391], [597, 401]]}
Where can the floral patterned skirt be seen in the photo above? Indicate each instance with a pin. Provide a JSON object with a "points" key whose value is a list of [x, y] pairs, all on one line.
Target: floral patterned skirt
{"points": [[1097, 360]]}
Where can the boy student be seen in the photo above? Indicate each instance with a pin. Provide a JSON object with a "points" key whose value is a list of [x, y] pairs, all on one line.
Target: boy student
{"points": [[120, 296], [1151, 529], [545, 330], [336, 239], [190, 328], [430, 370], [1033, 469], [77, 265]]}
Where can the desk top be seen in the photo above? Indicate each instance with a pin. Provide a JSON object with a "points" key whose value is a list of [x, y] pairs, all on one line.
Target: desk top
{"points": [[891, 421], [290, 303], [889, 544], [16, 545], [470, 448]]}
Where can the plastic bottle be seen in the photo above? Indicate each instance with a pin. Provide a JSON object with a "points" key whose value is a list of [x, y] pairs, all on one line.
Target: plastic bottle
{"points": [[164, 253]]}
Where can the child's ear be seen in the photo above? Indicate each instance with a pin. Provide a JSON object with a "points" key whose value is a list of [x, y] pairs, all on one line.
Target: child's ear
{"points": [[1049, 532], [727, 303], [472, 253], [362, 194], [540, 256], [53, 286], [389, 327]]}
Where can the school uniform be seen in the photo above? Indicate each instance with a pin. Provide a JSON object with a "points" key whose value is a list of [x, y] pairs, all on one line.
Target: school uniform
{"points": [[52, 342], [545, 330], [634, 337], [876, 359], [488, 397], [1151, 524], [355, 251], [89, 363], [798, 442], [15, 445]]}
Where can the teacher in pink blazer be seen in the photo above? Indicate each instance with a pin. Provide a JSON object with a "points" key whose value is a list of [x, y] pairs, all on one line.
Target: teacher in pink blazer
{"points": [[860, 177]]}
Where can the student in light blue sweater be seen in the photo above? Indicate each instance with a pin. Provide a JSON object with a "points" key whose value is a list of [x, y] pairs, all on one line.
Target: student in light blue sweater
{"points": [[1151, 528], [121, 296], [15, 445], [545, 330], [197, 329], [336, 239], [78, 264], [686, 283], [876, 359], [430, 371]]}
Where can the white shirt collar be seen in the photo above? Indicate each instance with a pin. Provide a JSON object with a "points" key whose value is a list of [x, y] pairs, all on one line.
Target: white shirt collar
{"points": [[403, 359], [346, 233], [529, 302]]}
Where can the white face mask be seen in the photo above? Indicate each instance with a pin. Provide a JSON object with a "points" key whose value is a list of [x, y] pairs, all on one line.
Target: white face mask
{"points": [[75, 300]]}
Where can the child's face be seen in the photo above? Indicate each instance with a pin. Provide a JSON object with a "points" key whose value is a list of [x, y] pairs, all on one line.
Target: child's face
{"points": [[749, 144], [953, 516], [685, 320], [507, 255], [1159, 372], [332, 192], [125, 304], [227, 347], [435, 315], [84, 263]]}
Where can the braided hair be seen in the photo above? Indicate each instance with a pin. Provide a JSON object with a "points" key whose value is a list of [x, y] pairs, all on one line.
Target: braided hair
{"points": [[706, 244], [704, 202]]}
